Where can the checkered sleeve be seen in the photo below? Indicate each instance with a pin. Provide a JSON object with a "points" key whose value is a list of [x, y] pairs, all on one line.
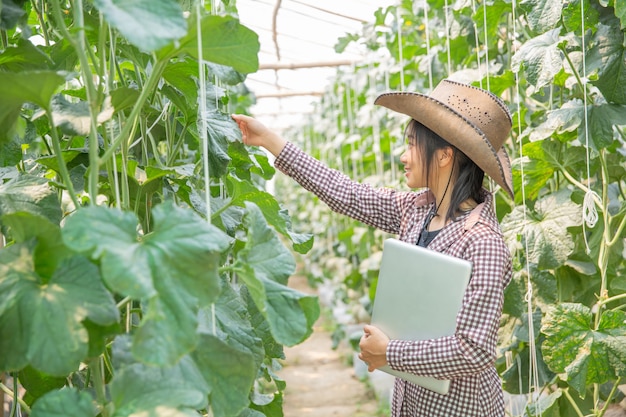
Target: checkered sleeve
{"points": [[472, 348], [377, 207]]}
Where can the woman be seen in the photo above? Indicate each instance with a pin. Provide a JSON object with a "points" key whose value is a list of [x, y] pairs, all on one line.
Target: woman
{"points": [[454, 137]]}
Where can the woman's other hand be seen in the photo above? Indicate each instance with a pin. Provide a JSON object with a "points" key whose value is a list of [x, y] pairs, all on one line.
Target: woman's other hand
{"points": [[254, 133], [373, 346]]}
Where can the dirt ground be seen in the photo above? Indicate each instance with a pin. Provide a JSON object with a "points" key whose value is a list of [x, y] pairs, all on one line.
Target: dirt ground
{"points": [[320, 380]]}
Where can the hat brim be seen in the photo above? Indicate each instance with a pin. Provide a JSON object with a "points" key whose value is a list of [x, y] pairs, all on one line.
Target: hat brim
{"points": [[455, 129]]}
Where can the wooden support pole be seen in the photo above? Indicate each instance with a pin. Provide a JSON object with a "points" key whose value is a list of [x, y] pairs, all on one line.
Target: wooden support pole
{"points": [[294, 65], [290, 94]]}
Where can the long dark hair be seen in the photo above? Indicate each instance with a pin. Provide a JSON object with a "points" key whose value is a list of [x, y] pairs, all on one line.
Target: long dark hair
{"points": [[468, 177]]}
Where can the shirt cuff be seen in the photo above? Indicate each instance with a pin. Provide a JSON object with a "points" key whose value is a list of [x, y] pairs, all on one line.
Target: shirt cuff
{"points": [[394, 354], [287, 157]]}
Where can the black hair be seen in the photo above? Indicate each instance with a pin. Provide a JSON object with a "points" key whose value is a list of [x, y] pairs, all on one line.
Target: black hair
{"points": [[468, 177]]}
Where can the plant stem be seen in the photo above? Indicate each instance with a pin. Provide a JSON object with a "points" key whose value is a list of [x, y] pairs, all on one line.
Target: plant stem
{"points": [[611, 299], [65, 175], [610, 397], [573, 403], [98, 384], [131, 122], [90, 90], [13, 394], [173, 153], [578, 184], [123, 302], [79, 46], [571, 65], [39, 12]]}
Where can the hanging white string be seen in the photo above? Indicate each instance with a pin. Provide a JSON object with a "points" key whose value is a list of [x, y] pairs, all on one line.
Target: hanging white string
{"points": [[202, 97], [118, 201], [400, 52], [480, 71], [203, 127], [488, 70], [533, 372], [376, 126], [446, 8], [427, 33], [589, 213], [486, 42]]}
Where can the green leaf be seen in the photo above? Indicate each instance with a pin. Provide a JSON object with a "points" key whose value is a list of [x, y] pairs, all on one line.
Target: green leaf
{"points": [[68, 156], [182, 75], [11, 13], [173, 270], [226, 74], [265, 265], [519, 370], [541, 59], [50, 249], [232, 324], [243, 192], [545, 229], [221, 129], [602, 120], [224, 41], [572, 16], [586, 355], [137, 388], [123, 98], [23, 56], [546, 406], [74, 119], [37, 383], [30, 194], [496, 12], [566, 118], [67, 402], [261, 326], [40, 323], [35, 87], [542, 15], [110, 236], [10, 151], [147, 24], [620, 12], [230, 374], [608, 58]]}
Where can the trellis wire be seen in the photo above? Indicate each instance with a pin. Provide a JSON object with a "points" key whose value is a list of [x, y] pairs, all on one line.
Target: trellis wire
{"points": [[400, 52], [446, 7], [589, 213], [203, 126], [480, 72], [427, 32], [486, 44], [533, 373]]}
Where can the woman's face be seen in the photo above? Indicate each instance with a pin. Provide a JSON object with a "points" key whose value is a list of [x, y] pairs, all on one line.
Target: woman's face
{"points": [[413, 166]]}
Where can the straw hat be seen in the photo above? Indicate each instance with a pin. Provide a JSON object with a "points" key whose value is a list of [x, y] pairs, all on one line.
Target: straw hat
{"points": [[473, 120]]}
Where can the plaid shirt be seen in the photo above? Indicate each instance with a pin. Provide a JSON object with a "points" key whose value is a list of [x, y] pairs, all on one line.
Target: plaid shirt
{"points": [[467, 357]]}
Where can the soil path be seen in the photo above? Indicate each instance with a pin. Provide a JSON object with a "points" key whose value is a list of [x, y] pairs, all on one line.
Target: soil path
{"points": [[320, 381]]}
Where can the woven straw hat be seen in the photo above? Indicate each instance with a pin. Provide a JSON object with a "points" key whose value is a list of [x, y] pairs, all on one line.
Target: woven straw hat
{"points": [[471, 119]]}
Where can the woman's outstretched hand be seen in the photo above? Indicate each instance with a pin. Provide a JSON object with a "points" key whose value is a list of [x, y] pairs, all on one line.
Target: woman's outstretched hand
{"points": [[373, 346], [254, 133]]}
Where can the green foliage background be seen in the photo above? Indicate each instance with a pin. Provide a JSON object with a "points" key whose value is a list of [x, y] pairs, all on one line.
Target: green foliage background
{"points": [[145, 270], [562, 76]]}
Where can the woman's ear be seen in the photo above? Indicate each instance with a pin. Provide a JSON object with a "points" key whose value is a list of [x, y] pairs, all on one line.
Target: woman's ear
{"points": [[445, 156]]}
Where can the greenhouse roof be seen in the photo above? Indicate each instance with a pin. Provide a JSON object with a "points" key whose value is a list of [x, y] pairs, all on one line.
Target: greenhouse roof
{"points": [[296, 66]]}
